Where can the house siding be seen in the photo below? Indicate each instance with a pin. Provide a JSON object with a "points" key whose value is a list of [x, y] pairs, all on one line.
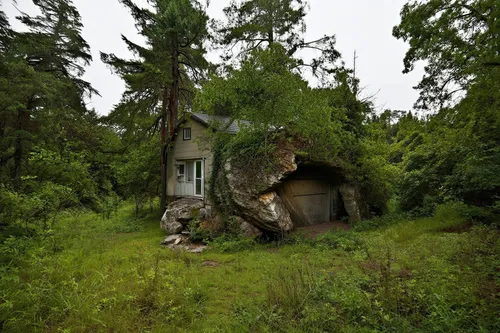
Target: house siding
{"points": [[187, 150]]}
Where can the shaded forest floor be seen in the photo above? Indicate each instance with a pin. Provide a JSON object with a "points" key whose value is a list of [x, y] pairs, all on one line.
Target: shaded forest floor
{"points": [[89, 274]]}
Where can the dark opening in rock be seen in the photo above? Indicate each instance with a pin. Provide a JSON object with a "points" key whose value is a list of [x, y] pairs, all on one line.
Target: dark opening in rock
{"points": [[312, 196]]}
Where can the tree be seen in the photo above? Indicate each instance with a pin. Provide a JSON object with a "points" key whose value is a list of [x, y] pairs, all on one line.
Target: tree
{"points": [[459, 40], [454, 154], [5, 30], [161, 78], [44, 68], [253, 24]]}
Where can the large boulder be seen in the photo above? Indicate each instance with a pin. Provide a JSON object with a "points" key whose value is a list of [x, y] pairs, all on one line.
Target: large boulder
{"points": [[180, 213], [253, 196]]}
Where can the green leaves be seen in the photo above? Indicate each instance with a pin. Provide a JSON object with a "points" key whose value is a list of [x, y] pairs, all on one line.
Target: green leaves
{"points": [[458, 39], [259, 24]]}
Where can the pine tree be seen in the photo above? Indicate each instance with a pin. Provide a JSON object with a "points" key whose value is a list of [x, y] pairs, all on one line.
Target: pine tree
{"points": [[255, 24], [43, 69], [161, 76]]}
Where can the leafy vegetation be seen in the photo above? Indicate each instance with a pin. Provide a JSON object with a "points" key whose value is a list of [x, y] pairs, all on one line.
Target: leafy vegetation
{"points": [[79, 235], [91, 274]]}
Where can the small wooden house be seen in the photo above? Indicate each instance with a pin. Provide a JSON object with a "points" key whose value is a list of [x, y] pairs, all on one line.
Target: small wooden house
{"points": [[189, 162]]}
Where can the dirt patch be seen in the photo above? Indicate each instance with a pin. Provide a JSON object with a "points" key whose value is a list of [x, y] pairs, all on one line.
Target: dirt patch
{"points": [[319, 229], [211, 263]]}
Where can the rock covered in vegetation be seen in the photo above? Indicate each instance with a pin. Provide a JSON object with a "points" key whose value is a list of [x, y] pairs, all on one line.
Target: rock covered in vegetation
{"points": [[252, 192], [253, 195]]}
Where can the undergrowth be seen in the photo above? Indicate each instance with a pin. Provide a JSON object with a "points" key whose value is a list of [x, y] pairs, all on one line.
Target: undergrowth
{"points": [[89, 274]]}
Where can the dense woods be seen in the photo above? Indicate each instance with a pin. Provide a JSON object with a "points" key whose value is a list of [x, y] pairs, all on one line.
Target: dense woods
{"points": [[58, 158]]}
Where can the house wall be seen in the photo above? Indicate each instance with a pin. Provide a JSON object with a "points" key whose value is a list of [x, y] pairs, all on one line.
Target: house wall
{"points": [[188, 150]]}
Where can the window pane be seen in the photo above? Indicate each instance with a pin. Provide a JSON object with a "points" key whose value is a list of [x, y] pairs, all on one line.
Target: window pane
{"points": [[186, 133], [198, 187], [181, 169], [190, 171], [198, 169]]}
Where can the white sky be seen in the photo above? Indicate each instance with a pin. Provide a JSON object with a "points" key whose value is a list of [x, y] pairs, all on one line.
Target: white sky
{"points": [[361, 25]]}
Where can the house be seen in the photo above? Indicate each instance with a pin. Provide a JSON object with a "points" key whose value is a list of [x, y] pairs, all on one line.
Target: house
{"points": [[299, 193], [189, 162]]}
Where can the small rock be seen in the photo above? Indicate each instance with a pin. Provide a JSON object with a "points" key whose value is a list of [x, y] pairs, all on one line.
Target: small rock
{"points": [[171, 239], [185, 232], [173, 228], [199, 249], [178, 241]]}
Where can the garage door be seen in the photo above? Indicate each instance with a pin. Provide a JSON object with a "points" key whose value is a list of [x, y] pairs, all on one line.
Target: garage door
{"points": [[308, 201]]}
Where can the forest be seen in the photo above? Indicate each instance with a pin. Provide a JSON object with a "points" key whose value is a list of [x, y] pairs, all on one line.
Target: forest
{"points": [[82, 194]]}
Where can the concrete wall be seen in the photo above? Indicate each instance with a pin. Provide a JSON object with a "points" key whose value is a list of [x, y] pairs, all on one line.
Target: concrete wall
{"points": [[188, 150]]}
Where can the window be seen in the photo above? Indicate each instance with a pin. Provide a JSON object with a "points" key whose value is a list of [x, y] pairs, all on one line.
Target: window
{"points": [[189, 171], [186, 133], [198, 175], [181, 171]]}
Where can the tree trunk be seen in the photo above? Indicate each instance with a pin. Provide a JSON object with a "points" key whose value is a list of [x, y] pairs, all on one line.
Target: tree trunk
{"points": [[173, 102], [163, 157], [21, 125]]}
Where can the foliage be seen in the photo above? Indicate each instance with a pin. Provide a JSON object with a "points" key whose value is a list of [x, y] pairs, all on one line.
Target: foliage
{"points": [[263, 24], [453, 154], [138, 173], [85, 274], [447, 34], [54, 152]]}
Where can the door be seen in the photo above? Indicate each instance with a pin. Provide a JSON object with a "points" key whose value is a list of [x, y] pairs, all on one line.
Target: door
{"points": [[198, 178], [307, 200]]}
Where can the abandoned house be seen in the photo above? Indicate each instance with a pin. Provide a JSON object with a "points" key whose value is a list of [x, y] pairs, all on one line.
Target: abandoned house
{"points": [[300, 194], [189, 161]]}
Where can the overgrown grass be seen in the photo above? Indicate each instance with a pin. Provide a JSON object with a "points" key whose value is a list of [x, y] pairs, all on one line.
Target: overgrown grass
{"points": [[95, 275]]}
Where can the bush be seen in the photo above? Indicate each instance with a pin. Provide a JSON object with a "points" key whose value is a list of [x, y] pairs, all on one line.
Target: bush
{"points": [[228, 243], [344, 240]]}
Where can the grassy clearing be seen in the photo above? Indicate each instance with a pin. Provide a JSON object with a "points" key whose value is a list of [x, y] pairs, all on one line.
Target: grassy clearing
{"points": [[94, 275]]}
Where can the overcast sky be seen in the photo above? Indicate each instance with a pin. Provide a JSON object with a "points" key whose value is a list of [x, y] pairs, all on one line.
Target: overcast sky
{"points": [[361, 25]]}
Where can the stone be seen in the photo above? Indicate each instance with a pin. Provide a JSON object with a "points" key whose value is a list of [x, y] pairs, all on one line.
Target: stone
{"points": [[180, 212], [351, 198], [198, 249], [249, 230], [171, 239], [253, 196], [173, 228], [202, 214]]}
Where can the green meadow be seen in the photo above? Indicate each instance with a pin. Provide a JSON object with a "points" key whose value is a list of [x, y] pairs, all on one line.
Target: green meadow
{"points": [[92, 274]]}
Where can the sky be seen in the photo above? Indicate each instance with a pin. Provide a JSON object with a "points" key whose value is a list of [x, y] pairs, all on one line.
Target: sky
{"points": [[364, 26]]}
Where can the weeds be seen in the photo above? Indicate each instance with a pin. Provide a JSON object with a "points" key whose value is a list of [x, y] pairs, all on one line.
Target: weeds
{"points": [[89, 274]]}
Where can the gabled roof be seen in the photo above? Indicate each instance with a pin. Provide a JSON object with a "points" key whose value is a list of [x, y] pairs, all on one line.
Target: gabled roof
{"points": [[222, 121]]}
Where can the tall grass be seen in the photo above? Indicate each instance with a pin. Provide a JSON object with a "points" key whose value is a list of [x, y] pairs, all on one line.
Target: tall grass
{"points": [[90, 274]]}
